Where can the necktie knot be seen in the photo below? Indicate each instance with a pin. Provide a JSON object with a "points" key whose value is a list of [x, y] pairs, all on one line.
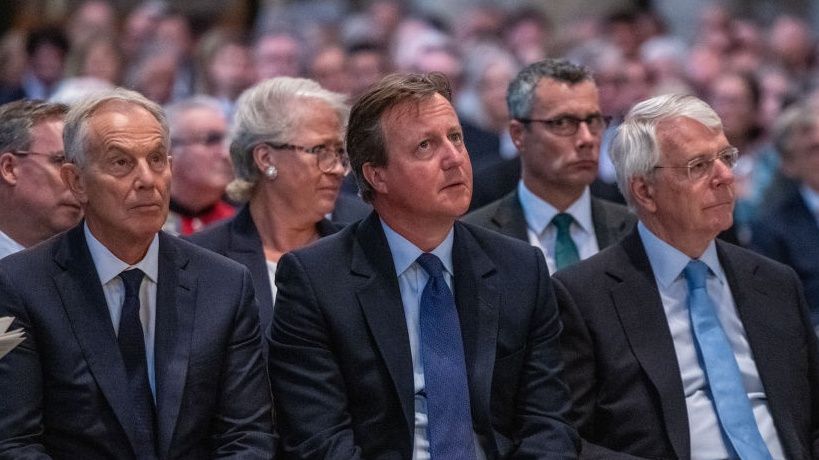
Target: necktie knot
{"points": [[695, 273], [562, 221], [132, 279], [431, 264]]}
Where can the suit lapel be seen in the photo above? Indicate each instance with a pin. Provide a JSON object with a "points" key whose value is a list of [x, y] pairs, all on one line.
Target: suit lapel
{"points": [[245, 247], [477, 299], [509, 218], [85, 305], [380, 300], [641, 313], [175, 309]]}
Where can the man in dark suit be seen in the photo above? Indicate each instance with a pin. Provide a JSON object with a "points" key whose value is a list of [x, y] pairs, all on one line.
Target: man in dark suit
{"points": [[678, 345], [789, 230], [556, 125], [138, 345], [370, 354]]}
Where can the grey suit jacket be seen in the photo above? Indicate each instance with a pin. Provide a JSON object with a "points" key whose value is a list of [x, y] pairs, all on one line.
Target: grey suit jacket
{"points": [[622, 369], [64, 388], [611, 221], [340, 360]]}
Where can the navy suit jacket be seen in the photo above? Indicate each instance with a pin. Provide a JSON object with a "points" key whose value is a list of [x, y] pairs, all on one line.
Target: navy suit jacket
{"points": [[238, 239], [789, 233], [340, 360], [622, 369], [611, 221], [64, 388]]}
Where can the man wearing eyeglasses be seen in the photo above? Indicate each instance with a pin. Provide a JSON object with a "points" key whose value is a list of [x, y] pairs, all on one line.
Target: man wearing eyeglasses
{"points": [[35, 203], [201, 165], [557, 127], [678, 345]]}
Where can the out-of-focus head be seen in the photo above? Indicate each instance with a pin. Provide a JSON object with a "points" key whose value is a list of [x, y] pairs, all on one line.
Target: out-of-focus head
{"points": [[288, 142], [792, 43], [796, 137], [557, 126], [97, 57], [736, 97], [328, 67], [406, 149], [366, 64], [117, 143], [226, 64], [47, 48], [31, 155], [488, 71], [278, 54], [674, 167], [201, 160], [92, 18]]}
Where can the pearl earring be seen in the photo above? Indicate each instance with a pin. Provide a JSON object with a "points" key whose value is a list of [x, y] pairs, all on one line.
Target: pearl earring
{"points": [[271, 172]]}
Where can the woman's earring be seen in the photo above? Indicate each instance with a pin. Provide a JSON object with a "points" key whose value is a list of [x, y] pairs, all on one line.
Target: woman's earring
{"points": [[271, 172]]}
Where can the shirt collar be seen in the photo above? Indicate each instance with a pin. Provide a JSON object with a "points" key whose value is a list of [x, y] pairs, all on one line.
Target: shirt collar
{"points": [[668, 262], [539, 213], [8, 245], [110, 266], [404, 253]]}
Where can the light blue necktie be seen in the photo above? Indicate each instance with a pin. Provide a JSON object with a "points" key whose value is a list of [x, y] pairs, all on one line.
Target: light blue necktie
{"points": [[721, 369], [449, 426], [565, 249]]}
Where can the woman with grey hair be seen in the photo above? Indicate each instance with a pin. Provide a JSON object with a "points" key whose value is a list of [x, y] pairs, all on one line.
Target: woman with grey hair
{"points": [[287, 149]]}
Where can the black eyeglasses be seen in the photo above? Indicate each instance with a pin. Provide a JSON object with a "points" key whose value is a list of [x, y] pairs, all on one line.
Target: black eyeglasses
{"points": [[568, 125], [210, 139], [56, 159], [702, 167], [327, 157]]}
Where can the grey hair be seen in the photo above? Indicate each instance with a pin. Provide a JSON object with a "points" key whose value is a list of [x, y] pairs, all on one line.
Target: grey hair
{"points": [[635, 150], [175, 110], [520, 96], [19, 117], [789, 124], [267, 112], [75, 134]]}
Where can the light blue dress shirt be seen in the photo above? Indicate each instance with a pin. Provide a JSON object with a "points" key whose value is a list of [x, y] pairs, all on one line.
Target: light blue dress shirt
{"points": [[667, 263], [543, 235], [108, 269], [411, 281], [8, 246]]}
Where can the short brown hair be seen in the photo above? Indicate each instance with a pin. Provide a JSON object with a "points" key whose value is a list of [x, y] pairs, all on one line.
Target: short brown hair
{"points": [[365, 136]]}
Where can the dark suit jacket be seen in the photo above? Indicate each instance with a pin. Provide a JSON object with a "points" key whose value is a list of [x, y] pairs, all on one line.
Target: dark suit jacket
{"points": [[64, 388], [238, 239], [788, 233], [621, 365], [483, 146], [611, 220], [340, 361]]}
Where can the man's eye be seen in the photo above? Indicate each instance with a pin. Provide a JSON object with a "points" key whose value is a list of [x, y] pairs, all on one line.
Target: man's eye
{"points": [[424, 145], [563, 122], [456, 137], [318, 150], [698, 166]]}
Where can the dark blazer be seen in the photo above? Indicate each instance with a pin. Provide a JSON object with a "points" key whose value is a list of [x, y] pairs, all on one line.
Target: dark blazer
{"points": [[611, 220], [789, 233], [238, 239], [621, 365], [340, 361], [64, 388]]}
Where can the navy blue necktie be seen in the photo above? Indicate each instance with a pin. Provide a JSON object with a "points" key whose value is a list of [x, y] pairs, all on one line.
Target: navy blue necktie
{"points": [[132, 347], [449, 426], [565, 249], [722, 372]]}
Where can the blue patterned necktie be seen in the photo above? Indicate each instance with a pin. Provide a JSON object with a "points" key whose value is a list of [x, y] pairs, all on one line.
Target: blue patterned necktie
{"points": [[722, 372], [565, 249], [132, 347], [449, 426]]}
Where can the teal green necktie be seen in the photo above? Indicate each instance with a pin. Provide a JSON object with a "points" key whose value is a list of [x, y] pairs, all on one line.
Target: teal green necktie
{"points": [[565, 249]]}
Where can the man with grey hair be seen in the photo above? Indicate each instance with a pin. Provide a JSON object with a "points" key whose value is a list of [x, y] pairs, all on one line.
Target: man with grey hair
{"points": [[36, 204], [201, 165], [678, 345], [788, 231], [138, 344], [557, 127]]}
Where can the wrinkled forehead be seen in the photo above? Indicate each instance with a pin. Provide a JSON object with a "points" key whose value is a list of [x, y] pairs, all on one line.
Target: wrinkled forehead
{"points": [[681, 137]]}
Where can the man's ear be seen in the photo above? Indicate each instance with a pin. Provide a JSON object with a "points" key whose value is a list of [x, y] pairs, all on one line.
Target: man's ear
{"points": [[375, 177], [72, 179], [8, 168], [642, 192], [517, 131]]}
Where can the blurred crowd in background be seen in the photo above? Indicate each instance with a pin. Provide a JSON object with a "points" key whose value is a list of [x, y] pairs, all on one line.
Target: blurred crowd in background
{"points": [[748, 71]]}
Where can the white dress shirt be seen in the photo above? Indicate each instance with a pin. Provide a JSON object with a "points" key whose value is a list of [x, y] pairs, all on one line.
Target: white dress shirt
{"points": [[543, 234], [667, 263], [8, 246], [108, 269], [411, 281]]}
